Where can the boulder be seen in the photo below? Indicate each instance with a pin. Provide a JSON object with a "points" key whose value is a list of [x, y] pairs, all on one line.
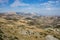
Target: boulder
{"points": [[50, 37]]}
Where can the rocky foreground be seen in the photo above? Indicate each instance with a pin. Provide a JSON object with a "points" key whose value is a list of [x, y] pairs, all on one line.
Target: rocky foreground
{"points": [[17, 27]]}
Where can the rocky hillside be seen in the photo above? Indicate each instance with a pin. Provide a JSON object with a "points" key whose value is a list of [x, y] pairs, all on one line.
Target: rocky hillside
{"points": [[17, 27]]}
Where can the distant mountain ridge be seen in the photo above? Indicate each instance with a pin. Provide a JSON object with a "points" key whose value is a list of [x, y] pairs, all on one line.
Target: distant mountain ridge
{"points": [[27, 14]]}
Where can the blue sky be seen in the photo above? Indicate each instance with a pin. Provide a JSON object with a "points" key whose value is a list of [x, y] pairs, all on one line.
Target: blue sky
{"points": [[45, 7]]}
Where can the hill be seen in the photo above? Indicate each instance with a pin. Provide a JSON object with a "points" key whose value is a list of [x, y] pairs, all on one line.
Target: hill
{"points": [[19, 27]]}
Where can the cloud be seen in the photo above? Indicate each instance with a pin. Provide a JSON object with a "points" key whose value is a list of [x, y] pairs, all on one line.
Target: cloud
{"points": [[18, 3], [50, 5], [3, 3], [43, 8]]}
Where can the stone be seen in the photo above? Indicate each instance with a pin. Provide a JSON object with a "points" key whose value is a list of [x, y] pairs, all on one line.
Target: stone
{"points": [[50, 37]]}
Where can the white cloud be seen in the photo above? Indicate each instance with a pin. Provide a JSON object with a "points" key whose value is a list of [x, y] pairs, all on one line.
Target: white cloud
{"points": [[50, 5], [18, 3], [3, 1]]}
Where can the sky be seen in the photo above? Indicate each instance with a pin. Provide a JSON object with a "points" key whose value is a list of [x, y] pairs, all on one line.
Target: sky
{"points": [[43, 7]]}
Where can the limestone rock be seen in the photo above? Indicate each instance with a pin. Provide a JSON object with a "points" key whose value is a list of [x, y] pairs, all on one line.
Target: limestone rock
{"points": [[50, 37]]}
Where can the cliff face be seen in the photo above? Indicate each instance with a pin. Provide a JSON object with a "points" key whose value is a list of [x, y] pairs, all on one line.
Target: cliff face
{"points": [[17, 27]]}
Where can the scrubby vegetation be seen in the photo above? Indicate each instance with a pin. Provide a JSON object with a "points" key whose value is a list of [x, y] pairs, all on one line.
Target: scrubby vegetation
{"points": [[17, 27]]}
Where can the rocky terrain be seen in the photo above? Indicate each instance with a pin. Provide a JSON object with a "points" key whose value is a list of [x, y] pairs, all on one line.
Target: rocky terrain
{"points": [[19, 27]]}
